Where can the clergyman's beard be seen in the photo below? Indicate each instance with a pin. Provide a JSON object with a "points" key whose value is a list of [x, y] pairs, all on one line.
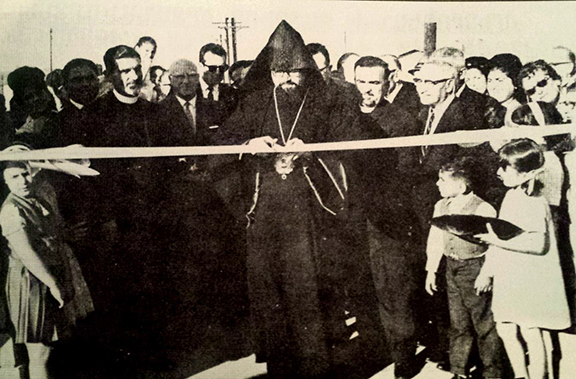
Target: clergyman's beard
{"points": [[292, 90]]}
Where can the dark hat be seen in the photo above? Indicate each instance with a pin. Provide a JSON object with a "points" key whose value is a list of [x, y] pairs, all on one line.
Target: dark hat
{"points": [[285, 51], [288, 50], [25, 77], [479, 63]]}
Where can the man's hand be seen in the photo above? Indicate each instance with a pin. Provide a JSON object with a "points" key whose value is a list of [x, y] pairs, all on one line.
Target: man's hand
{"points": [[263, 144], [297, 143], [431, 282], [483, 283]]}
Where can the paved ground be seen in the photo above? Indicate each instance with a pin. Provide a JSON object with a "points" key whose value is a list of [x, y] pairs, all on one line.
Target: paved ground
{"points": [[248, 368], [223, 355]]}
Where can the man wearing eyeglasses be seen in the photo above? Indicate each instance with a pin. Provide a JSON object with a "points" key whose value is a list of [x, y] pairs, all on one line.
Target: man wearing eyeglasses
{"points": [[477, 107], [216, 100], [178, 112], [441, 113]]}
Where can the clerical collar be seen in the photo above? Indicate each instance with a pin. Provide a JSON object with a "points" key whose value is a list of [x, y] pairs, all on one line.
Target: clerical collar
{"points": [[125, 99], [77, 105]]}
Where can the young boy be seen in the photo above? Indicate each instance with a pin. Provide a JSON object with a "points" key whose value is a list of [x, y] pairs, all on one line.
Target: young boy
{"points": [[469, 304]]}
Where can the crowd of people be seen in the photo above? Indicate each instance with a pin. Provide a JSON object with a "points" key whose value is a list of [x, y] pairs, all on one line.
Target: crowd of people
{"points": [[331, 255]]}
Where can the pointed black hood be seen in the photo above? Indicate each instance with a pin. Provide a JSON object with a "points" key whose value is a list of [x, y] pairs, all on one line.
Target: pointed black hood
{"points": [[284, 51]]}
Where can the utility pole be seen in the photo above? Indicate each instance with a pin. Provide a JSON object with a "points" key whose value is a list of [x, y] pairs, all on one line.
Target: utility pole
{"points": [[231, 27], [50, 49], [429, 37]]}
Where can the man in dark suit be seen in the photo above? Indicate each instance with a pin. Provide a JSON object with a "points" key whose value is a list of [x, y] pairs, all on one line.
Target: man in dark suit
{"points": [[443, 112], [479, 108], [216, 100], [81, 85], [126, 197], [342, 90], [178, 112], [391, 223], [401, 91]]}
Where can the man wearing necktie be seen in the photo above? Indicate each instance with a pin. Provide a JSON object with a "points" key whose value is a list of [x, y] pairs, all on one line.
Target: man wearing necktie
{"points": [[436, 86], [178, 111], [216, 100]]}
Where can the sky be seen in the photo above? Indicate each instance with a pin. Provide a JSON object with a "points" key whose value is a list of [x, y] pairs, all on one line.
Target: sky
{"points": [[88, 28]]}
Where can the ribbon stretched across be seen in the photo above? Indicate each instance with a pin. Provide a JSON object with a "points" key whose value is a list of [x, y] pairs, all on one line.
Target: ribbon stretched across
{"points": [[458, 137]]}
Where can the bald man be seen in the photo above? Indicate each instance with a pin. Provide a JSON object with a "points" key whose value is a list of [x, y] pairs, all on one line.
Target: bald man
{"points": [[178, 112]]}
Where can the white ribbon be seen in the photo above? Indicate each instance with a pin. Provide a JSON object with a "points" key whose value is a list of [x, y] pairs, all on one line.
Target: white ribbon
{"points": [[458, 137]]}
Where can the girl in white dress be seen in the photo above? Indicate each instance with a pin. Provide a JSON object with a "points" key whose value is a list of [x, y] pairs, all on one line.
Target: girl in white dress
{"points": [[528, 288]]}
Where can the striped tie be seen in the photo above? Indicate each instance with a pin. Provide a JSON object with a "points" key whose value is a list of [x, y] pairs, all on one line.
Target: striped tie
{"points": [[190, 117], [427, 130]]}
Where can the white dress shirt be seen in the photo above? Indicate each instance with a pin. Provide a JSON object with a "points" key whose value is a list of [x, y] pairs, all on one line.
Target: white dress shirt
{"points": [[192, 106], [215, 90]]}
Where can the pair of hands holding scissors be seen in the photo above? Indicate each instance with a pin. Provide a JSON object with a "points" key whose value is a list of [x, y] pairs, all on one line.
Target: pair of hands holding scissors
{"points": [[268, 144]]}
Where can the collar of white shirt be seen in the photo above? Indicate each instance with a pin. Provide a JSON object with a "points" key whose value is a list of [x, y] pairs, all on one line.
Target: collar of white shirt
{"points": [[125, 99], [460, 90], [439, 111], [215, 89], [183, 102]]}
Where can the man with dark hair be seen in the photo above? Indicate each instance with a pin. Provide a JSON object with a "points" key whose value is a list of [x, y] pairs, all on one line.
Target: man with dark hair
{"points": [[125, 197], [339, 89], [345, 67], [80, 77], [238, 72], [302, 282], [215, 101], [322, 58], [392, 225]]}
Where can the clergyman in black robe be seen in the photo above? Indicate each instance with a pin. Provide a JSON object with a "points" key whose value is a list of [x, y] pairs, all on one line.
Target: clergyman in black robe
{"points": [[305, 276]]}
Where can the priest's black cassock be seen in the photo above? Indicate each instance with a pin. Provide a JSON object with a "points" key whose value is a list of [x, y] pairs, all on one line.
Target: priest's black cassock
{"points": [[306, 269]]}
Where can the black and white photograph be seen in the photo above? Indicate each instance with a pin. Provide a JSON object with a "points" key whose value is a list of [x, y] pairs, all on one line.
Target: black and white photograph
{"points": [[287, 189]]}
